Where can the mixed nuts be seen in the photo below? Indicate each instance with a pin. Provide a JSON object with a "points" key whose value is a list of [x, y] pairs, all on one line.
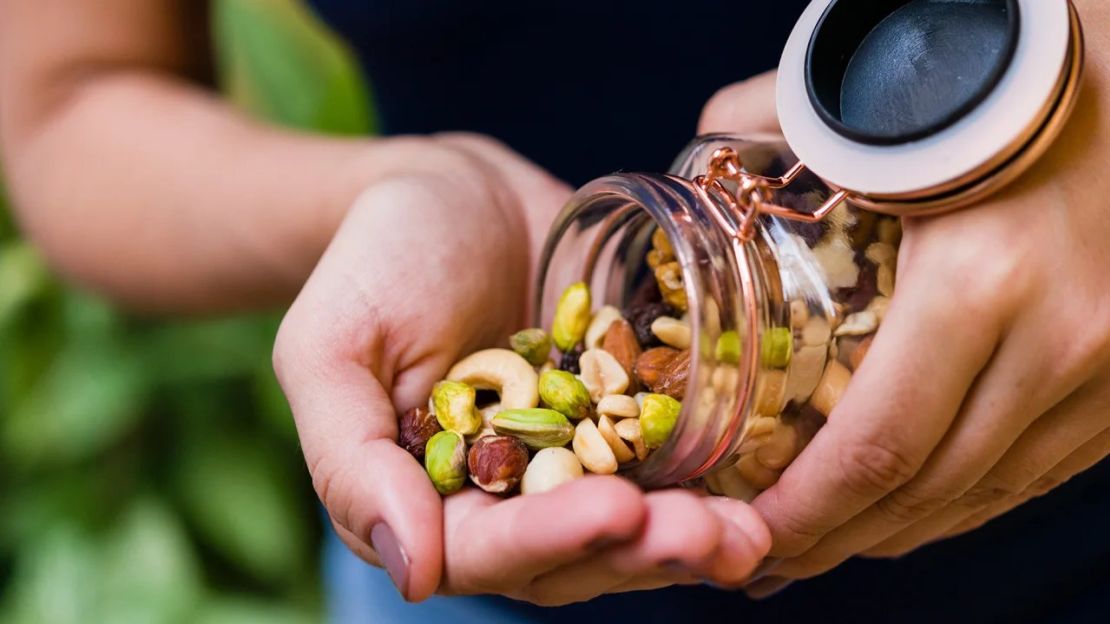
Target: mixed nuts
{"points": [[590, 401], [604, 389], [807, 362]]}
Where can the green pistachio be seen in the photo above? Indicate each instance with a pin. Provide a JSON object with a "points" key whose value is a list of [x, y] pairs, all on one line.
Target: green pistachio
{"points": [[657, 419], [572, 316], [728, 348], [537, 427], [565, 393], [445, 461], [533, 345], [454, 403], [777, 347]]}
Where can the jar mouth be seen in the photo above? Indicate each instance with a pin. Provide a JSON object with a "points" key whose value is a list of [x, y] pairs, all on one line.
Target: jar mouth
{"points": [[602, 238]]}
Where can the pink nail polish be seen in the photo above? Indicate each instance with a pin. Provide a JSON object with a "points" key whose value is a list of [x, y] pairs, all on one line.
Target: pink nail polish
{"points": [[392, 555]]}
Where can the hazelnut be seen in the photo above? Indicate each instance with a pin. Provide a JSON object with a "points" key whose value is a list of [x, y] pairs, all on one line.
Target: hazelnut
{"points": [[497, 463], [417, 426]]}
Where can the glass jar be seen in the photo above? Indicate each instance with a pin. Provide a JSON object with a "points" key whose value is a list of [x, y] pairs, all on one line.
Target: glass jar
{"points": [[781, 311]]}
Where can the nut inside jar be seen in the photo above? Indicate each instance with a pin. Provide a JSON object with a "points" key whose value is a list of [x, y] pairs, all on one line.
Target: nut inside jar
{"points": [[756, 321], [809, 356]]}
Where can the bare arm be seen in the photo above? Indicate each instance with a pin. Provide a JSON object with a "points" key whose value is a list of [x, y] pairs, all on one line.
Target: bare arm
{"points": [[138, 181]]}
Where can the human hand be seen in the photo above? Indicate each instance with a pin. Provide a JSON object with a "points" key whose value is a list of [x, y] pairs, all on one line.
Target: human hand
{"points": [[987, 384], [426, 268]]}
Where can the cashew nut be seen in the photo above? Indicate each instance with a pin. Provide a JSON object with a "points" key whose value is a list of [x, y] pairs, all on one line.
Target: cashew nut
{"points": [[501, 370]]}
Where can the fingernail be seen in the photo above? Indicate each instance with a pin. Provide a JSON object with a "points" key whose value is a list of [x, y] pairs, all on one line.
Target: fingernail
{"points": [[393, 557], [767, 588], [766, 567]]}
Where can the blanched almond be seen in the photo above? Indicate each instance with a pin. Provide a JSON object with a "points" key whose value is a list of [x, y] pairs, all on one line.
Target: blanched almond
{"points": [[618, 406], [629, 429], [592, 449], [599, 325], [619, 447], [602, 374]]}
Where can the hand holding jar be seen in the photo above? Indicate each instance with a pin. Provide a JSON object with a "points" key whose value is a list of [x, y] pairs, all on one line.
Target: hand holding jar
{"points": [[987, 384], [379, 322]]}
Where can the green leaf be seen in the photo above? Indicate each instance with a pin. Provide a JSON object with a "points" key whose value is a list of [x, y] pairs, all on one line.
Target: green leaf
{"points": [[185, 353], [51, 582], [148, 572], [91, 394], [279, 63], [142, 571], [23, 275], [242, 497]]}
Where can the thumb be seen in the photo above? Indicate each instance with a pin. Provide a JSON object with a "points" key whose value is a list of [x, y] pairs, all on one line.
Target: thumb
{"points": [[377, 494], [746, 107]]}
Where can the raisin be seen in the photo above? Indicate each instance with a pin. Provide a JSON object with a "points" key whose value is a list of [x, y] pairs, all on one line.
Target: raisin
{"points": [[569, 362], [641, 317]]}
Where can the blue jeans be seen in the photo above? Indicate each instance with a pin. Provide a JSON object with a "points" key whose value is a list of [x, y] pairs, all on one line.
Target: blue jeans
{"points": [[1048, 561]]}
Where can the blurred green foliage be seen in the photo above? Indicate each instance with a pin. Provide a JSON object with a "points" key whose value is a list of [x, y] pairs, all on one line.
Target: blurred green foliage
{"points": [[149, 469]]}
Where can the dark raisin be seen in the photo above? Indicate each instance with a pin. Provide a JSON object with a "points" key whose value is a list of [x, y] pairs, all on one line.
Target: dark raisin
{"points": [[641, 317], [569, 363]]}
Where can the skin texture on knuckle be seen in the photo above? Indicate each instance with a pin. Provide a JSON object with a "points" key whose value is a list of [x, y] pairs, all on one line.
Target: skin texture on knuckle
{"points": [[809, 565], [983, 495], [909, 503], [872, 467], [793, 533]]}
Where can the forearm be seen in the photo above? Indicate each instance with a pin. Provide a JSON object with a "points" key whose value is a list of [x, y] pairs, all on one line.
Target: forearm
{"points": [[152, 190]]}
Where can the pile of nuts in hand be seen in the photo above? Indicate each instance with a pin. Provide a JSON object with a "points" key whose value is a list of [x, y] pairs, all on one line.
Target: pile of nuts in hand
{"points": [[808, 362], [515, 418]]}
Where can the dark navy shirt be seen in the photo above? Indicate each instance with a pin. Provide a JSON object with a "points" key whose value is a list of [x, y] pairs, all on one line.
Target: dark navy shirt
{"points": [[586, 87]]}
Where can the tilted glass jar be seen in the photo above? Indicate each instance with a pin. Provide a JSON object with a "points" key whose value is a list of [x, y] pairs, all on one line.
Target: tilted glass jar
{"points": [[781, 311]]}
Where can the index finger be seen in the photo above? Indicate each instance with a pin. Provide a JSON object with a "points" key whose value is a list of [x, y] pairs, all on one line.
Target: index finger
{"points": [[894, 412]]}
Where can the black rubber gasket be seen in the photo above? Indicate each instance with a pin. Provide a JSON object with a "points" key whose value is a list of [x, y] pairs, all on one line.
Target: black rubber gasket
{"points": [[837, 38]]}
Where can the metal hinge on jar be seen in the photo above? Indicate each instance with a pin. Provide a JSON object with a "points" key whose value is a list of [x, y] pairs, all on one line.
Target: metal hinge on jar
{"points": [[751, 198]]}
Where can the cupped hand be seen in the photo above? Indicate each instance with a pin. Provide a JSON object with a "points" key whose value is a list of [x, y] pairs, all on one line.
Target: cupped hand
{"points": [[427, 267], [988, 383]]}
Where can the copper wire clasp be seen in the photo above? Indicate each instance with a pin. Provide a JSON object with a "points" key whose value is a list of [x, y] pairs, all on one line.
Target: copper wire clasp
{"points": [[750, 199]]}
